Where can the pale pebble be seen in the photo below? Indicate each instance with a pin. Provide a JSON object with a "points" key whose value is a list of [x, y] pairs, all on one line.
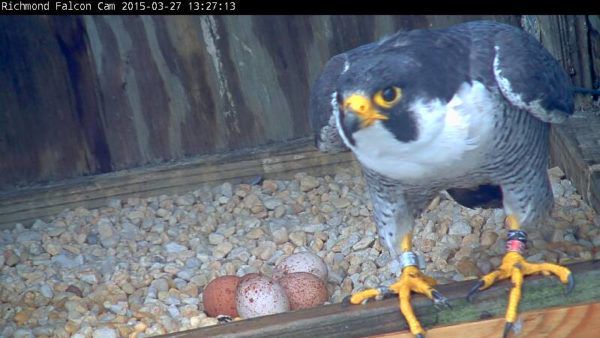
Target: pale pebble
{"points": [[173, 247]]}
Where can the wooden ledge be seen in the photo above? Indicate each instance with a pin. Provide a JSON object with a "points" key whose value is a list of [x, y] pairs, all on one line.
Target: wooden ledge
{"points": [[279, 161], [574, 146], [380, 317], [572, 321]]}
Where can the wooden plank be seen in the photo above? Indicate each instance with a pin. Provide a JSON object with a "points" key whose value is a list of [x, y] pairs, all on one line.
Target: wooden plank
{"points": [[41, 124], [379, 317], [146, 173], [594, 38], [575, 148], [573, 321], [572, 39], [86, 95], [565, 36], [154, 178], [280, 161]]}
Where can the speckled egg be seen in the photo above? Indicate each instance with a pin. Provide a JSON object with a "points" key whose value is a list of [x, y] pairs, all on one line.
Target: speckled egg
{"points": [[302, 262], [259, 296], [304, 290], [249, 275], [219, 296]]}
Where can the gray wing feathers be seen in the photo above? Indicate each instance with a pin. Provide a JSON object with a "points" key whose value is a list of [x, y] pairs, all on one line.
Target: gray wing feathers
{"points": [[530, 78], [320, 106]]}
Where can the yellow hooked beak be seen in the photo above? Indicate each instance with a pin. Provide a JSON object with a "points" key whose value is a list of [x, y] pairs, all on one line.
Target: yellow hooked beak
{"points": [[363, 108]]}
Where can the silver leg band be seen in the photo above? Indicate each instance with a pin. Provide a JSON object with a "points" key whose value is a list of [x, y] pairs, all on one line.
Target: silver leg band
{"points": [[408, 258]]}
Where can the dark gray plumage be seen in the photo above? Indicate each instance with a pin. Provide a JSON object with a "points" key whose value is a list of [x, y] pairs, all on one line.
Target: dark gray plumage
{"points": [[475, 107], [326, 134]]}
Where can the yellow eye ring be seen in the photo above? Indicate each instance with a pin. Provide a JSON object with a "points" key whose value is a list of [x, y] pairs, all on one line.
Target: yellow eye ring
{"points": [[388, 97]]}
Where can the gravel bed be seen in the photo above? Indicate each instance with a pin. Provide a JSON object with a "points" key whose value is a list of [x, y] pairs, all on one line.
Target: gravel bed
{"points": [[137, 267]]}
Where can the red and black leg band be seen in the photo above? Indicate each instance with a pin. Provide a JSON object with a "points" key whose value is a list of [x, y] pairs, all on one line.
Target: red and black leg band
{"points": [[517, 241]]}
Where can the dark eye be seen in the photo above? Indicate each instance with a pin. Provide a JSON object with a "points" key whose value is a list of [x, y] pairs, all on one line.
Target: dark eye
{"points": [[389, 94], [388, 97]]}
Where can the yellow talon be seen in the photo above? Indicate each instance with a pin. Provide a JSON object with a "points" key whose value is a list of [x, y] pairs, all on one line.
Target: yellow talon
{"points": [[411, 280], [515, 295], [515, 267], [361, 296], [414, 280], [547, 268]]}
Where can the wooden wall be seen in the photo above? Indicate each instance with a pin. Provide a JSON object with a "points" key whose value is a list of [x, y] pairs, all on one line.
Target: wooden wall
{"points": [[574, 40], [87, 95]]}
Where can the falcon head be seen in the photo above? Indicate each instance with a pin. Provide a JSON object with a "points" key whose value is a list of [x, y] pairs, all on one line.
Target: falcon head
{"points": [[394, 101], [392, 93], [393, 104], [377, 94]]}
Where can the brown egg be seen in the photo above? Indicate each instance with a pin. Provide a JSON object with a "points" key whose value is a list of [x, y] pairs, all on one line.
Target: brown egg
{"points": [[304, 290], [219, 296], [301, 262]]}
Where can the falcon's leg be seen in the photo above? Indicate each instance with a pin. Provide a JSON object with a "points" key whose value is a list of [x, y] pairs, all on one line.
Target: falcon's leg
{"points": [[515, 267], [411, 279]]}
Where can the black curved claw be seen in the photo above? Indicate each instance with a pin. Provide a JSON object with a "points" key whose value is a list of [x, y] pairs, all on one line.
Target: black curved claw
{"points": [[420, 335], [474, 290], [222, 319], [346, 301], [385, 293], [570, 284], [507, 327], [388, 295], [440, 301]]}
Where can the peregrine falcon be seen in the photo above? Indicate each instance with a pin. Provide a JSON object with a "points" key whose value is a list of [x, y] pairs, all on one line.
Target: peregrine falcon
{"points": [[466, 109]]}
